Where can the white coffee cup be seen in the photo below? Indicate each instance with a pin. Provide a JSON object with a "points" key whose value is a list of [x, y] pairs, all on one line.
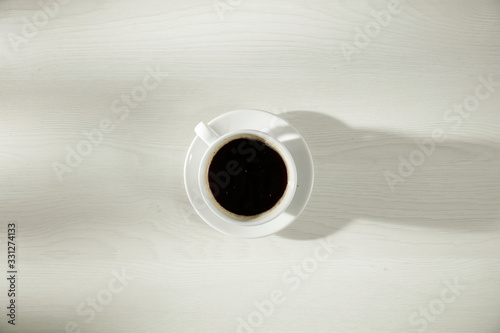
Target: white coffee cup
{"points": [[214, 142]]}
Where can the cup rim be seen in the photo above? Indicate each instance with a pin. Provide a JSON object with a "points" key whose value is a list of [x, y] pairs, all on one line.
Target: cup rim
{"points": [[264, 217]]}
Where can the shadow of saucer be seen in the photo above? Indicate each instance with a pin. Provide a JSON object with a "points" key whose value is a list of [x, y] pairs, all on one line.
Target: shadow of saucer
{"points": [[359, 173]]}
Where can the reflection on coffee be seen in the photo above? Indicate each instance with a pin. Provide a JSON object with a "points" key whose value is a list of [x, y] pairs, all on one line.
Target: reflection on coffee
{"points": [[247, 177]]}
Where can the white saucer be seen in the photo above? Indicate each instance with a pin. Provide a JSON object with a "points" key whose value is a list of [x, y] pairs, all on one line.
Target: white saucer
{"points": [[281, 130]]}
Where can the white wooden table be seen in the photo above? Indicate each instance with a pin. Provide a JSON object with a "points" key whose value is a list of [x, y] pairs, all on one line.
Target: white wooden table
{"points": [[98, 101]]}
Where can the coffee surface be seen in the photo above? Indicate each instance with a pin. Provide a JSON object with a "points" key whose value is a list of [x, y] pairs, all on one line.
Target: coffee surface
{"points": [[247, 177]]}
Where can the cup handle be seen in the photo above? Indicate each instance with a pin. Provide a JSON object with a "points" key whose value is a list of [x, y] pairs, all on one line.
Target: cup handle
{"points": [[206, 133]]}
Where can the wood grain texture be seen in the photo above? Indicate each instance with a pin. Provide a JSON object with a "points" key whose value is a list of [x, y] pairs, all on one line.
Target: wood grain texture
{"points": [[123, 210]]}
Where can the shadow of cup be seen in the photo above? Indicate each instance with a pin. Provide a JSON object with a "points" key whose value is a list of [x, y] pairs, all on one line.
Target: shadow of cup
{"points": [[362, 173]]}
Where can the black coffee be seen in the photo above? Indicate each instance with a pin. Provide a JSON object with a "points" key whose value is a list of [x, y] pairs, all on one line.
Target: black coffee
{"points": [[247, 177]]}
